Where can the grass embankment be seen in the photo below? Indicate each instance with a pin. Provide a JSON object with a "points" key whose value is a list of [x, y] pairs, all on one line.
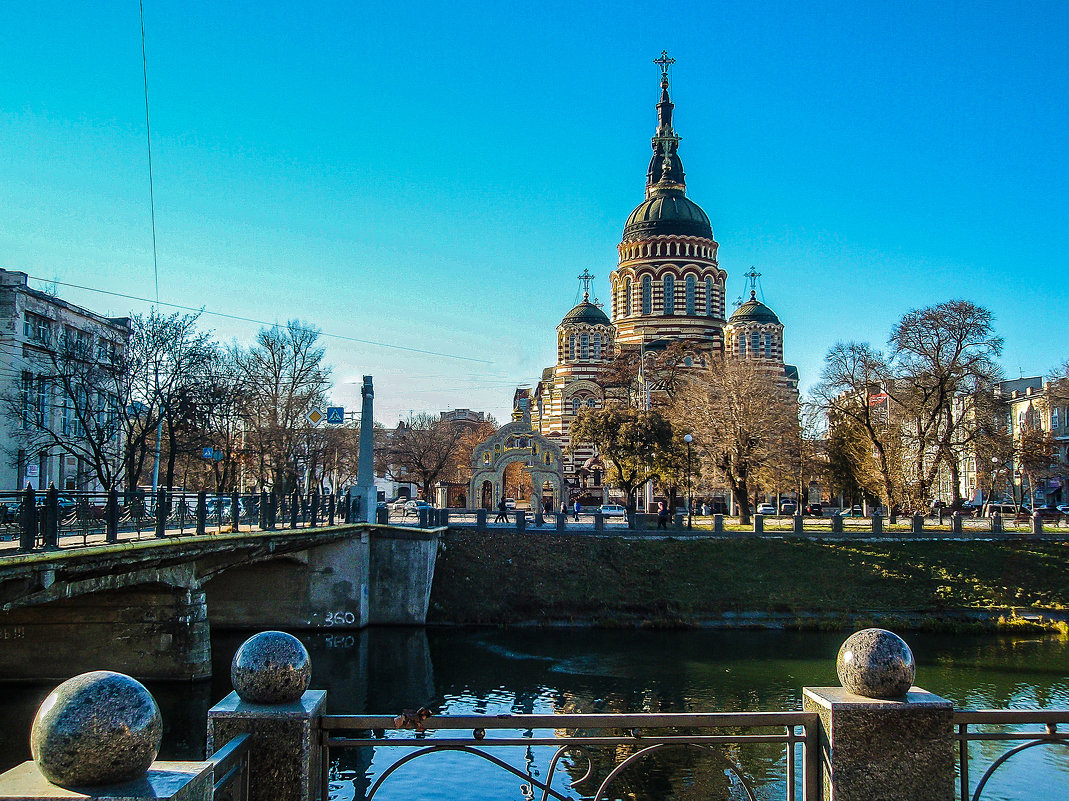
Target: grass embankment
{"points": [[503, 578]]}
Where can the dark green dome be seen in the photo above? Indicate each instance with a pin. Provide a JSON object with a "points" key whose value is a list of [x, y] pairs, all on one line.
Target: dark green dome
{"points": [[667, 211], [754, 311], [586, 312]]}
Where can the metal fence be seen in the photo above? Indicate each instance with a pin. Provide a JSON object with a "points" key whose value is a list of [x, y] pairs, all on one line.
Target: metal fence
{"points": [[596, 755], [54, 519], [232, 770], [1007, 726]]}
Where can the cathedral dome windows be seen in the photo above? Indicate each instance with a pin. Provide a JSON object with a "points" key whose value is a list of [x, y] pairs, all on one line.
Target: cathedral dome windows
{"points": [[690, 292], [647, 295], [669, 294]]}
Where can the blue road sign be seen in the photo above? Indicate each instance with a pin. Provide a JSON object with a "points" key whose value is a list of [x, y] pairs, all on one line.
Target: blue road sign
{"points": [[335, 415], [217, 455], [207, 453]]}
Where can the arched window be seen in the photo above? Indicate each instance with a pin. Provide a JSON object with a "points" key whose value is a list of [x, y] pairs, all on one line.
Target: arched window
{"points": [[742, 347], [571, 347], [597, 346], [584, 346], [576, 403], [755, 343], [768, 346], [647, 295], [591, 404], [708, 297], [628, 308], [669, 294], [691, 289]]}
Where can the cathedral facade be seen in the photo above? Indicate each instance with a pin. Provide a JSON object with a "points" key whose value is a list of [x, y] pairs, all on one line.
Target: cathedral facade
{"points": [[668, 287]]}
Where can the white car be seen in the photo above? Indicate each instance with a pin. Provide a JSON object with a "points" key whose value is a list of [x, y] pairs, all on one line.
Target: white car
{"points": [[612, 510], [766, 509]]}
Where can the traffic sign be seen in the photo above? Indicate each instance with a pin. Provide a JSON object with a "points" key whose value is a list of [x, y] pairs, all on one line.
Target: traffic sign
{"points": [[207, 452], [315, 417], [217, 455], [335, 415]]}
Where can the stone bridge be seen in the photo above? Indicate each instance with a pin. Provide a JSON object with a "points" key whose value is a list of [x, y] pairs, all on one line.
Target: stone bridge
{"points": [[146, 607]]}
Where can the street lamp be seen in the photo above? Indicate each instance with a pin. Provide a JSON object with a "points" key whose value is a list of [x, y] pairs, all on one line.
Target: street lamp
{"points": [[687, 438]]}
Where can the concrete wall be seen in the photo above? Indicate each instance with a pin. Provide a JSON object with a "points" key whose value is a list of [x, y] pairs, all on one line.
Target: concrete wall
{"points": [[402, 570], [320, 588], [152, 632]]}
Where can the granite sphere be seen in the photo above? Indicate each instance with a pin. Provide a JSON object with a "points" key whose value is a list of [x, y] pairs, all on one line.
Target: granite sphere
{"points": [[271, 668], [876, 663], [96, 728]]}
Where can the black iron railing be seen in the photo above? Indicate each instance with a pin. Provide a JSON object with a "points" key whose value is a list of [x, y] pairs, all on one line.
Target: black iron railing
{"points": [[232, 770], [599, 753], [1031, 728]]}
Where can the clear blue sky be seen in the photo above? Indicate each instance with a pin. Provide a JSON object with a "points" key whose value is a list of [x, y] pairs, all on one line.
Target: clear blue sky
{"points": [[436, 175]]}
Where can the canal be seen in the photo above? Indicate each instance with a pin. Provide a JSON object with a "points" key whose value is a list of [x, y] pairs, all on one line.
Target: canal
{"points": [[496, 671]]}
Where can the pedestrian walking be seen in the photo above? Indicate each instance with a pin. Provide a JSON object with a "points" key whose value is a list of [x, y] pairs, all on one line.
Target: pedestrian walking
{"points": [[576, 509], [662, 515], [502, 512]]}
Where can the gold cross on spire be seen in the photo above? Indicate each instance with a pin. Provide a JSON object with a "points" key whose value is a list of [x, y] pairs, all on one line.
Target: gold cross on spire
{"points": [[663, 63], [586, 278]]}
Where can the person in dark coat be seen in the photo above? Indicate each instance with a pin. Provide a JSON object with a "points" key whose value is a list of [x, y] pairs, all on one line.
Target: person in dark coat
{"points": [[502, 512], [662, 515]]}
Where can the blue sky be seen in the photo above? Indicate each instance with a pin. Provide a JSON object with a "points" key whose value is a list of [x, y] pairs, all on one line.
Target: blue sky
{"points": [[436, 175]]}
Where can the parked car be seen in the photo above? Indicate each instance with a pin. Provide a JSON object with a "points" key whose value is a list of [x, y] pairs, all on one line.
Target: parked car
{"points": [[815, 509], [613, 510], [1064, 509], [510, 503], [1050, 513], [413, 507], [853, 511], [766, 509], [788, 508], [1005, 509]]}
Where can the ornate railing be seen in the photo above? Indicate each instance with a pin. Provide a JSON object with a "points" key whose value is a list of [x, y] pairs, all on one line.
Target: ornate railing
{"points": [[232, 770], [597, 751], [1008, 722]]}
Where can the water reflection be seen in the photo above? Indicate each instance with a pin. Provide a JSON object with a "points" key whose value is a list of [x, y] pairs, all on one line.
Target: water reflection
{"points": [[488, 671]]}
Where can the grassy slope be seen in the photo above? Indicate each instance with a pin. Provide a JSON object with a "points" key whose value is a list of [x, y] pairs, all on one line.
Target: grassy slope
{"points": [[509, 578]]}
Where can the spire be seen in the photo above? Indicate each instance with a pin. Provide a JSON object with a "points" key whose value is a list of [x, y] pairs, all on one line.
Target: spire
{"points": [[586, 278], [665, 170]]}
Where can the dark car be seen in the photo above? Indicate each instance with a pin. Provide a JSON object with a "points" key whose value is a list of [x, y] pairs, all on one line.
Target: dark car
{"points": [[815, 510]]}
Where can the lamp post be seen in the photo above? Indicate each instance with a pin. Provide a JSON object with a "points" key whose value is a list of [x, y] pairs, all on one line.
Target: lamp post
{"points": [[687, 438]]}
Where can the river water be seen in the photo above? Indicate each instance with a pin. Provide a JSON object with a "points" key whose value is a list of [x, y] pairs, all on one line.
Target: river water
{"points": [[491, 671]]}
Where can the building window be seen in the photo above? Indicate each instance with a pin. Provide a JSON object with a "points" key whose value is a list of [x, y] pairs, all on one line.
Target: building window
{"points": [[584, 346], [571, 347], [26, 400], [1054, 422], [591, 404], [768, 346], [691, 289], [742, 346], [755, 343], [628, 309], [41, 401], [709, 297], [669, 294], [597, 346], [576, 404], [37, 328], [647, 295]]}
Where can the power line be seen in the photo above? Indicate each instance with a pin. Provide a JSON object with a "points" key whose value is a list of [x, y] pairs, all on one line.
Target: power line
{"points": [[203, 310]]}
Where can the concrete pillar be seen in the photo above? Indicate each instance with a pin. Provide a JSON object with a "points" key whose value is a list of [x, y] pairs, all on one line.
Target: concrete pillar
{"points": [[878, 749], [918, 523], [680, 521], [263, 510], [877, 525], [718, 524], [561, 521], [284, 754], [202, 512], [400, 576], [799, 524], [28, 519], [955, 523], [1037, 524], [365, 470], [443, 517], [996, 523], [111, 516], [837, 523], [521, 520], [539, 519], [480, 519], [758, 524], [382, 516], [599, 521], [423, 517]]}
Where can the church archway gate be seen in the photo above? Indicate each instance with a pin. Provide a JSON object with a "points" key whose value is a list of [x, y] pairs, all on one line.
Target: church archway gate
{"points": [[517, 442]]}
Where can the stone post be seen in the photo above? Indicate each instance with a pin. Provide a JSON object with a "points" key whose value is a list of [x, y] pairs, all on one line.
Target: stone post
{"points": [[111, 516], [330, 508], [443, 517], [918, 523], [837, 523], [100, 732], [539, 519], [50, 519], [521, 520], [718, 524], [263, 510], [270, 673], [1037, 524], [680, 521], [202, 512], [799, 524], [955, 523], [758, 524], [480, 519], [423, 517], [235, 512], [365, 469], [599, 521], [996, 523], [877, 525], [561, 521], [897, 745], [161, 512], [382, 516]]}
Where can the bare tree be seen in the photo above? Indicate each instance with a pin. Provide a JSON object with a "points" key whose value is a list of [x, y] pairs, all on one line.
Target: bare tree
{"points": [[740, 411], [421, 448]]}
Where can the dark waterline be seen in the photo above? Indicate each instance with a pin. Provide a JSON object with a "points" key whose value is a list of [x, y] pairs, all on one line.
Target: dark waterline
{"points": [[382, 671]]}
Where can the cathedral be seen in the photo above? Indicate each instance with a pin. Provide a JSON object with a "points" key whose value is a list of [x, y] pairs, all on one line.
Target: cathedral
{"points": [[667, 288]]}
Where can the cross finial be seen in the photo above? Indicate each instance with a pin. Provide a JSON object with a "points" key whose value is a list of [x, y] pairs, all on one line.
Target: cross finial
{"points": [[586, 278], [753, 275], [663, 63]]}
